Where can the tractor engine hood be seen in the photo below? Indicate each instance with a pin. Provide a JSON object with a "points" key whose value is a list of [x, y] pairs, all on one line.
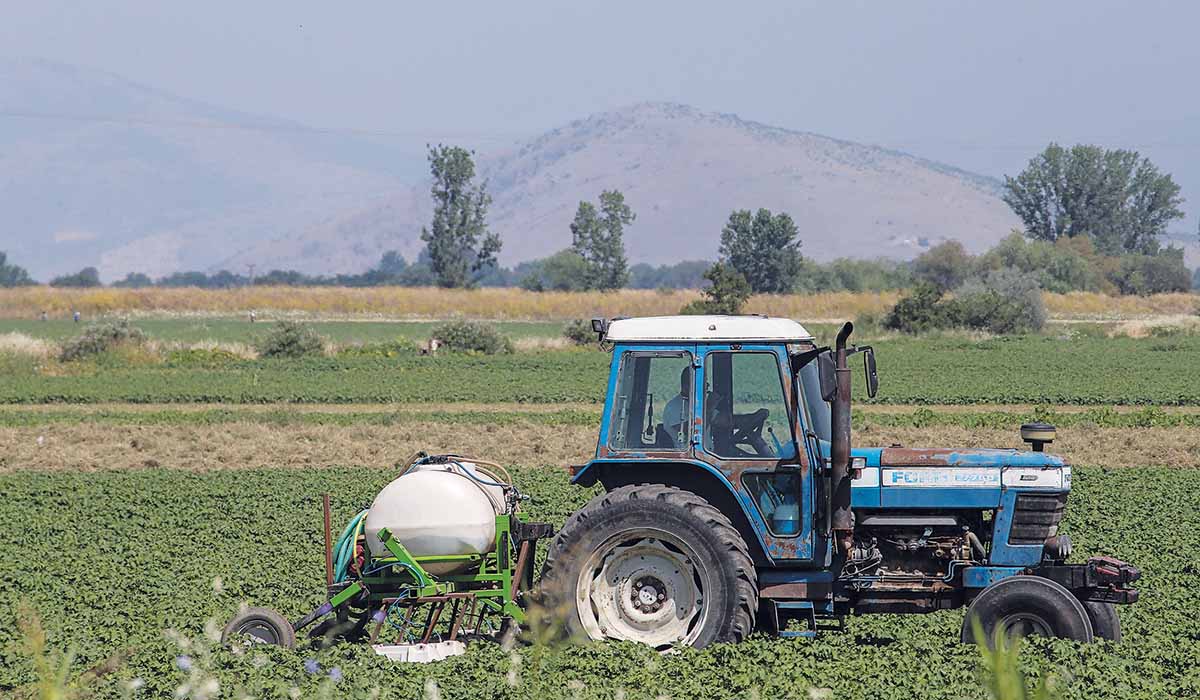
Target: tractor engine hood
{"points": [[945, 457]]}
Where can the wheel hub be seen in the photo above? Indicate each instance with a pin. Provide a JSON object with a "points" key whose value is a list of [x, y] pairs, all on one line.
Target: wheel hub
{"points": [[642, 586]]}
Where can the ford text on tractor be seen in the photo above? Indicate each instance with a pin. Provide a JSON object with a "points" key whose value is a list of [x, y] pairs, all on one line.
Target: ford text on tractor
{"points": [[733, 500]]}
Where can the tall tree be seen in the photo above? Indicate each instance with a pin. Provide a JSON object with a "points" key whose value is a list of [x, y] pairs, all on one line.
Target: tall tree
{"points": [[598, 238], [458, 240], [1117, 197], [764, 247], [13, 275]]}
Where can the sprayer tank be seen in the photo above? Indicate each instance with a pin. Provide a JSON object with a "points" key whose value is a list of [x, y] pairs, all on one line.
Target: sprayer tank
{"points": [[438, 510]]}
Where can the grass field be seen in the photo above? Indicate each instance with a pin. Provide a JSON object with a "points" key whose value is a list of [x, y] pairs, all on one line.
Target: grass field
{"points": [[1068, 369], [147, 494]]}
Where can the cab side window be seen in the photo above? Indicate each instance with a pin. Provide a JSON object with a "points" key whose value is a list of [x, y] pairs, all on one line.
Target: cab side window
{"points": [[652, 409], [745, 414]]}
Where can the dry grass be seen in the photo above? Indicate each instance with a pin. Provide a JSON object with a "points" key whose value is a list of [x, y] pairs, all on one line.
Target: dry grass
{"points": [[407, 302], [21, 344], [251, 445]]}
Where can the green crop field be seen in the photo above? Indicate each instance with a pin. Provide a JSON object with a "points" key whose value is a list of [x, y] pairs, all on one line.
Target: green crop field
{"points": [[1035, 369], [130, 560], [240, 330], [111, 559]]}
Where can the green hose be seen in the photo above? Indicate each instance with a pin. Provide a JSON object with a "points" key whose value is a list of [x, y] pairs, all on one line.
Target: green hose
{"points": [[343, 551]]}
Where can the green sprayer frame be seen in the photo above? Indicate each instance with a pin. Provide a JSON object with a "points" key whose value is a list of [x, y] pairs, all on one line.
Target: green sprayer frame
{"points": [[492, 586]]}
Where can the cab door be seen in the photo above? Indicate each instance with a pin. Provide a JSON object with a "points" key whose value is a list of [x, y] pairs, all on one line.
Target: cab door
{"points": [[744, 405]]}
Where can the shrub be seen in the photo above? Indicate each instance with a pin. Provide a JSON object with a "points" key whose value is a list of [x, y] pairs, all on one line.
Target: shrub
{"points": [[99, 338], [1003, 302], [1152, 274], [579, 332], [922, 310], [472, 336], [290, 339]]}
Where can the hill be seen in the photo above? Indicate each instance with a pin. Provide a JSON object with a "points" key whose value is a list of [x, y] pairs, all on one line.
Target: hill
{"points": [[98, 170]]}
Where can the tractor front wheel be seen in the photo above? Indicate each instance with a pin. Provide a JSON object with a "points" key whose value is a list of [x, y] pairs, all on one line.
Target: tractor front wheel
{"points": [[652, 564], [1025, 606]]}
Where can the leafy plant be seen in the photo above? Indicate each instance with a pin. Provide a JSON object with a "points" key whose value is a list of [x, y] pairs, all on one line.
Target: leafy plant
{"points": [[726, 294], [579, 332], [290, 339], [473, 337], [99, 338]]}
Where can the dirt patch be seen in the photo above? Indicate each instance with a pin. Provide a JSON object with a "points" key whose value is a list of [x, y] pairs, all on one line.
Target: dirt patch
{"points": [[240, 445]]}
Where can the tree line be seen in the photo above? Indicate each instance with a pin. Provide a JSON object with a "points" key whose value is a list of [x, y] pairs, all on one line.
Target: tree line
{"points": [[1093, 220]]}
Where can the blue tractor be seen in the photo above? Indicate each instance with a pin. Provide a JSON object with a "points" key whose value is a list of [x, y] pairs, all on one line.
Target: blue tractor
{"points": [[733, 501]]}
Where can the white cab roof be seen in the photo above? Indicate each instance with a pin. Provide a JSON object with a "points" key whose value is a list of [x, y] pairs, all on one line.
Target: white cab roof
{"points": [[705, 329]]}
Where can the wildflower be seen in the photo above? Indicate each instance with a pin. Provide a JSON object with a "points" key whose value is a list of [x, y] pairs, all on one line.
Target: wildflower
{"points": [[335, 674], [311, 666], [183, 662]]}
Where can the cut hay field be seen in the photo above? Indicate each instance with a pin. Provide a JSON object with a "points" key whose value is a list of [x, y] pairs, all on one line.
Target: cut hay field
{"points": [[507, 303]]}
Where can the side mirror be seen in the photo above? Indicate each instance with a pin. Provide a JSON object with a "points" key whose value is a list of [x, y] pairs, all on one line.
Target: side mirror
{"points": [[872, 374], [825, 370]]}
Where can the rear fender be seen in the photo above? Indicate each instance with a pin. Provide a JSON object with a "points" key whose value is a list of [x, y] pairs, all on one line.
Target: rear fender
{"points": [[700, 478]]}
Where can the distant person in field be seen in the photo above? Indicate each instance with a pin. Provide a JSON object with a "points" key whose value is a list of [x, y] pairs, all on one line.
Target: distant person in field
{"points": [[45, 317], [75, 315]]}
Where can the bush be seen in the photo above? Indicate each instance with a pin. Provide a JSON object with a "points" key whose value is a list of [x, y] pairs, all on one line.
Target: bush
{"points": [[579, 332], [290, 339], [1004, 302], [99, 338], [922, 310], [1152, 274], [472, 336]]}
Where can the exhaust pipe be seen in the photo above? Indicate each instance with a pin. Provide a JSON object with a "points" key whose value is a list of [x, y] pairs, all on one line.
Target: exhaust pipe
{"points": [[842, 520]]}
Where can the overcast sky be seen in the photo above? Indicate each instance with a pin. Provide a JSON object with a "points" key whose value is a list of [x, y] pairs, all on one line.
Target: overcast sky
{"points": [[978, 85]]}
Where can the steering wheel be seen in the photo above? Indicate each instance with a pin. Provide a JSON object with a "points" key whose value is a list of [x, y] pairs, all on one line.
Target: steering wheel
{"points": [[747, 430]]}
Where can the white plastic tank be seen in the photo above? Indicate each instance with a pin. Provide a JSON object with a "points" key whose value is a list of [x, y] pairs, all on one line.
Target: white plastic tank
{"points": [[437, 510]]}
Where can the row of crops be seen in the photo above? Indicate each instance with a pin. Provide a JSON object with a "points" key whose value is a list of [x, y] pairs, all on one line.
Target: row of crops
{"points": [[112, 559], [1037, 369]]}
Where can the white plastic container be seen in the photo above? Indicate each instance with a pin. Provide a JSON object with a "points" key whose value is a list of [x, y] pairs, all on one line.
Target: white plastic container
{"points": [[436, 510]]}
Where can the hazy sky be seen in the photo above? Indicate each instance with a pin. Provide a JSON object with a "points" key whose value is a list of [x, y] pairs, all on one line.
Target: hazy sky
{"points": [[978, 85]]}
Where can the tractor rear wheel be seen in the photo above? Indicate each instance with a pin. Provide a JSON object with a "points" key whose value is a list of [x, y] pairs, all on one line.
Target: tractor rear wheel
{"points": [[1023, 606], [260, 626], [652, 564]]}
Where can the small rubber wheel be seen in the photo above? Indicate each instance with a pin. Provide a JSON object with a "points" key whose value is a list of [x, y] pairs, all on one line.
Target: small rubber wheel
{"points": [[260, 626], [1024, 606], [1105, 623], [651, 564]]}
